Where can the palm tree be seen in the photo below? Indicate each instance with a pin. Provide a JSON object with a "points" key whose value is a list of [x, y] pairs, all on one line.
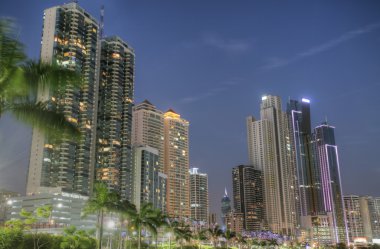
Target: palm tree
{"points": [[228, 234], [215, 233], [20, 81], [200, 236], [102, 202], [124, 209], [147, 217], [240, 240], [182, 233], [161, 222]]}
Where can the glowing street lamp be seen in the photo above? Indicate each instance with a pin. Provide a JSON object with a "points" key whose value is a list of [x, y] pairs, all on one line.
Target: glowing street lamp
{"points": [[111, 224]]}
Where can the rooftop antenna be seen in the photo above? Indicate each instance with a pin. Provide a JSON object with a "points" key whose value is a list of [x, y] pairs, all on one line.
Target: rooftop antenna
{"points": [[225, 192], [326, 119], [101, 21]]}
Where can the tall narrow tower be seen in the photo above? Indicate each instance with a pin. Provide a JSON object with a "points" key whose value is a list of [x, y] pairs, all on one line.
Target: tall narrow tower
{"points": [[327, 155], [70, 39], [269, 150], [198, 196], [308, 188], [176, 161], [114, 125]]}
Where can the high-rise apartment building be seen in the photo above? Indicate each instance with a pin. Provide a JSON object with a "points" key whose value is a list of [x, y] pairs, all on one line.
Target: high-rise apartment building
{"points": [[70, 38], [176, 161], [149, 182], [114, 122], [199, 207], [269, 147], [326, 152], [247, 184], [148, 128]]}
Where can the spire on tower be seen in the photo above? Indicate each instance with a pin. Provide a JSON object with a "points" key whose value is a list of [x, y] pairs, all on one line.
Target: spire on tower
{"points": [[101, 21], [225, 192]]}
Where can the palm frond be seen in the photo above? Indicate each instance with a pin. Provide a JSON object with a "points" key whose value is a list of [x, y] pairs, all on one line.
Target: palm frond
{"points": [[11, 50], [43, 75], [52, 123]]}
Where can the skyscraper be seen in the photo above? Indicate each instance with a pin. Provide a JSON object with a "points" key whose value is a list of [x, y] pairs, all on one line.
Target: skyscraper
{"points": [[327, 155], [70, 38], [226, 206], [114, 123], [247, 187], [309, 197], [176, 161], [149, 183], [199, 207], [269, 151], [148, 128]]}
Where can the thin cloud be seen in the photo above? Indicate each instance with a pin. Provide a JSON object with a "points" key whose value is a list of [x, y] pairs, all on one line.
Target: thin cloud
{"points": [[211, 92], [217, 42], [276, 62], [226, 44]]}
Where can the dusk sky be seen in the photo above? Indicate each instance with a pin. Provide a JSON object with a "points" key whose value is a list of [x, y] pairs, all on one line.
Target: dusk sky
{"points": [[211, 61]]}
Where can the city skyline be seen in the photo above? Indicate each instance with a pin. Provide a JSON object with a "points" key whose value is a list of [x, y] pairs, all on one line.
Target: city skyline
{"points": [[187, 106]]}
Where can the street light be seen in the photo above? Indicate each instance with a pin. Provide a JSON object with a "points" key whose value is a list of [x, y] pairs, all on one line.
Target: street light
{"points": [[111, 224]]}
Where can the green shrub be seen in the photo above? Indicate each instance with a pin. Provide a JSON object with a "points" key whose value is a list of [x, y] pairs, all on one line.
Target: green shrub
{"points": [[11, 238]]}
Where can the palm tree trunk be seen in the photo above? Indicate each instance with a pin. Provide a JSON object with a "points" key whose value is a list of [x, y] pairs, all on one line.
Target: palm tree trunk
{"points": [[101, 229], [139, 238], [157, 240]]}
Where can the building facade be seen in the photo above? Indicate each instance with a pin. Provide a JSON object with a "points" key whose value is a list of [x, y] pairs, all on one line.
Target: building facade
{"points": [[269, 150], [176, 161], [374, 209], [71, 39], [354, 218], [199, 205], [114, 121], [148, 128], [67, 210], [247, 184], [362, 218], [149, 183]]}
